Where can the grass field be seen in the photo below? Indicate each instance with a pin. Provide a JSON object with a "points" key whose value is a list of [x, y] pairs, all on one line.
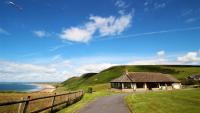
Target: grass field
{"points": [[180, 101]]}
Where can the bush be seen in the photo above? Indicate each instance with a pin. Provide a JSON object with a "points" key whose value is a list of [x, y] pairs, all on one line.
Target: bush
{"points": [[190, 82], [89, 90]]}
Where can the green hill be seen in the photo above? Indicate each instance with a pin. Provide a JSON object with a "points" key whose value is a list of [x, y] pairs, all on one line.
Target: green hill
{"points": [[102, 78]]}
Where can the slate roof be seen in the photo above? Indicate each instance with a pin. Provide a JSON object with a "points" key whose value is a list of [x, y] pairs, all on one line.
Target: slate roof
{"points": [[145, 77]]}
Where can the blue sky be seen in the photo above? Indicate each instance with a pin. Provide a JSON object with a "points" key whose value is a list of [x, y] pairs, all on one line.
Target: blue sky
{"points": [[53, 40]]}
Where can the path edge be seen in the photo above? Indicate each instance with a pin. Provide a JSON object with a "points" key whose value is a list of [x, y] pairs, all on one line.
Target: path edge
{"points": [[128, 104]]}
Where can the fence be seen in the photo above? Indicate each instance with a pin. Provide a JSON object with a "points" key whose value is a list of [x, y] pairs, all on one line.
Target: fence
{"points": [[40, 104]]}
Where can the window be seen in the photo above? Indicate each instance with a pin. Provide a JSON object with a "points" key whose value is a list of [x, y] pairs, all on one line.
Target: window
{"points": [[127, 85], [112, 85], [169, 84], [162, 84], [140, 85], [153, 85]]}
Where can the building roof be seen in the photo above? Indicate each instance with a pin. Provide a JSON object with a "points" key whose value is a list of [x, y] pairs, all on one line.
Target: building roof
{"points": [[145, 77]]}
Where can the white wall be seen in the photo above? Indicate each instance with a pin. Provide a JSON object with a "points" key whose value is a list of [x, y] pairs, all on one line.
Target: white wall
{"points": [[155, 89], [140, 89], [176, 85], [127, 90]]}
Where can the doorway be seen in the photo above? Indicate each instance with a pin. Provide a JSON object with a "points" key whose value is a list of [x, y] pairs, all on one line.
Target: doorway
{"points": [[152, 85]]}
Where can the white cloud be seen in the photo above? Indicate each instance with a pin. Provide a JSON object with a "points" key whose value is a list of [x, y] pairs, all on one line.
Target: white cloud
{"points": [[77, 34], [104, 26], [189, 58], [160, 59], [146, 3], [41, 33], [4, 32], [163, 59], [161, 53], [57, 68], [99, 26], [120, 4], [111, 25], [191, 15], [56, 47], [88, 68], [152, 5], [153, 61], [187, 12], [190, 20], [159, 5], [158, 32], [24, 68]]}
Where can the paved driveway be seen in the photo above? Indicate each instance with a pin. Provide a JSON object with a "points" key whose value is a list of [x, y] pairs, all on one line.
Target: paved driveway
{"points": [[108, 104]]}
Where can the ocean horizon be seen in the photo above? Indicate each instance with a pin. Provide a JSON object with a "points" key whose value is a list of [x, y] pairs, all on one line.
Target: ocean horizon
{"points": [[19, 86]]}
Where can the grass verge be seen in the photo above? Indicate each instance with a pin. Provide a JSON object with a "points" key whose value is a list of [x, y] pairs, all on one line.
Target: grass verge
{"points": [[179, 101]]}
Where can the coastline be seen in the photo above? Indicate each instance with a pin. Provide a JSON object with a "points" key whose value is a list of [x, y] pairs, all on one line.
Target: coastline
{"points": [[44, 88]]}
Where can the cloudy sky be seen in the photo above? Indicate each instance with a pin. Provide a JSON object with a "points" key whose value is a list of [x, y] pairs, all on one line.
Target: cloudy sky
{"points": [[51, 40]]}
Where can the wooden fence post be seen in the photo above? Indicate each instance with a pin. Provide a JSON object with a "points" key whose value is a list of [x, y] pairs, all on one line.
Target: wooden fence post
{"points": [[67, 99], [78, 96], [53, 100], [26, 104], [20, 106], [75, 97], [81, 93]]}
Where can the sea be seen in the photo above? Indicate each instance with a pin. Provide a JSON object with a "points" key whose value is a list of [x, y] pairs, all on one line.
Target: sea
{"points": [[19, 87]]}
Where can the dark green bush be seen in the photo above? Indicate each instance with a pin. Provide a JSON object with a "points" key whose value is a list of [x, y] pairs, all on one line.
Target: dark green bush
{"points": [[190, 82], [90, 90]]}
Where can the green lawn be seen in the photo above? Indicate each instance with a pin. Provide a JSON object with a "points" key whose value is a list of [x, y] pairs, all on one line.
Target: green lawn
{"points": [[84, 101], [179, 101]]}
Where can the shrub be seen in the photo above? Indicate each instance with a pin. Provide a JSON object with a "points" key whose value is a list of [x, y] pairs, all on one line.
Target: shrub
{"points": [[89, 90]]}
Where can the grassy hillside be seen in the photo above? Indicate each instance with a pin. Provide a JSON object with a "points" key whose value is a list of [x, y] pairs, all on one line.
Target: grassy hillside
{"points": [[179, 101], [105, 76]]}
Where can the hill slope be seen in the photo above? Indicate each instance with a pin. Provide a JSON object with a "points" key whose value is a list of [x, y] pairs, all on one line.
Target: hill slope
{"points": [[105, 76]]}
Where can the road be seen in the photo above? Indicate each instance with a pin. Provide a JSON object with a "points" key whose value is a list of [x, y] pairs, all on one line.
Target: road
{"points": [[107, 104]]}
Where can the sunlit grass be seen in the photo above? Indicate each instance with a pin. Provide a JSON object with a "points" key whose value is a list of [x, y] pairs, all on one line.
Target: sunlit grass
{"points": [[180, 101]]}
